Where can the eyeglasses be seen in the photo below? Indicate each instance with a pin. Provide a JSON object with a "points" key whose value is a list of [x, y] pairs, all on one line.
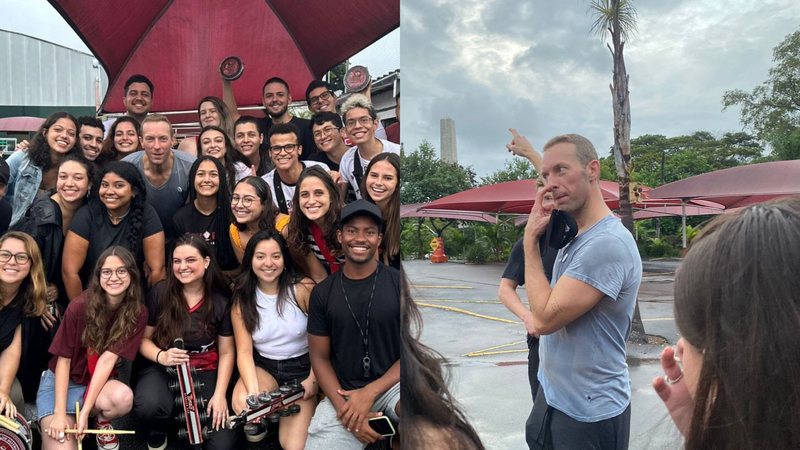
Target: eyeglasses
{"points": [[327, 131], [20, 258], [247, 200], [363, 121], [316, 99], [288, 148], [121, 273]]}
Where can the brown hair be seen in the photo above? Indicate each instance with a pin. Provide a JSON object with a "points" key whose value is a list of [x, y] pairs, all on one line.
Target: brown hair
{"points": [[737, 300], [34, 285], [391, 214], [584, 150]]}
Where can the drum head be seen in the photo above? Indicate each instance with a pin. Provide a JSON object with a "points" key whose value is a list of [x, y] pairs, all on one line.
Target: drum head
{"points": [[231, 68], [356, 79], [21, 440]]}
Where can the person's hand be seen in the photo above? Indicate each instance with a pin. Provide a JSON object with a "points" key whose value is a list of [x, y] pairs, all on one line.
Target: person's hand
{"points": [[520, 146], [336, 176], [48, 320], [83, 424], [359, 401], [538, 218], [173, 356], [311, 387], [364, 433], [527, 320], [253, 170], [672, 390], [7, 407], [22, 146], [218, 411], [52, 292], [57, 427]]}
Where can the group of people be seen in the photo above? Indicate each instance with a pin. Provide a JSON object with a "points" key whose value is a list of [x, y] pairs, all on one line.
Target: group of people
{"points": [[728, 383], [271, 247]]}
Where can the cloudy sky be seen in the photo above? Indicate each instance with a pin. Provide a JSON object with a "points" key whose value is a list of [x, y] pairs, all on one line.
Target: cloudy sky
{"points": [[535, 66]]}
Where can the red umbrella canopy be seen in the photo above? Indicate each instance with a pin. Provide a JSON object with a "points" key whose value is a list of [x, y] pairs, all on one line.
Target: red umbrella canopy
{"points": [[179, 44], [21, 123]]}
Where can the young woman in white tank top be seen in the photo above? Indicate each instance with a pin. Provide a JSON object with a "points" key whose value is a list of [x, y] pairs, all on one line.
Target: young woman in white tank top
{"points": [[269, 315]]}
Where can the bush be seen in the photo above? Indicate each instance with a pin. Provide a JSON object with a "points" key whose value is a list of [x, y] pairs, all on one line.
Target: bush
{"points": [[477, 254]]}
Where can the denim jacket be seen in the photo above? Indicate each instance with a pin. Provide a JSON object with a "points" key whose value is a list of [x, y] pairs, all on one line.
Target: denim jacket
{"points": [[23, 184]]}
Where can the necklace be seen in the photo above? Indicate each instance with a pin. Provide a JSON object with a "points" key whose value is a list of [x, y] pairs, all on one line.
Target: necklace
{"points": [[117, 219], [365, 362]]}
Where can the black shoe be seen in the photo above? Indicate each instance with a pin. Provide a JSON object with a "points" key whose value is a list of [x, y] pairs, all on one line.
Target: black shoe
{"points": [[157, 440]]}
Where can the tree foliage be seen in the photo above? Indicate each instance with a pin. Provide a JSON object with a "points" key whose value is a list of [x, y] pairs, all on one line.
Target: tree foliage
{"points": [[515, 169], [426, 177], [772, 110]]}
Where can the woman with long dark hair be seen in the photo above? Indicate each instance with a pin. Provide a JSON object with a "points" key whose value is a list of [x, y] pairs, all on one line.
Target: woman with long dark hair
{"points": [[253, 211], [122, 140], [101, 326], [207, 212], [23, 293], [191, 304], [382, 187], [737, 307], [311, 233], [50, 215], [215, 142], [269, 314], [211, 111], [120, 216], [36, 168]]}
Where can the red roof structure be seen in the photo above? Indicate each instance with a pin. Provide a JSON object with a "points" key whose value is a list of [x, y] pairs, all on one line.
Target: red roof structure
{"points": [[415, 210], [179, 44], [21, 124]]}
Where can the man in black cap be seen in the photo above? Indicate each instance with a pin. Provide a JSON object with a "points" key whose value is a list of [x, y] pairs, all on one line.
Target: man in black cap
{"points": [[5, 207], [354, 337]]}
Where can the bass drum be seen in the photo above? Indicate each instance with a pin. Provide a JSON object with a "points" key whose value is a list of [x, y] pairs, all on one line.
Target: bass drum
{"points": [[15, 435]]}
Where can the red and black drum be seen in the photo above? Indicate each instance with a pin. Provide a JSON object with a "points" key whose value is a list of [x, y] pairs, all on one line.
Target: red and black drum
{"points": [[15, 433]]}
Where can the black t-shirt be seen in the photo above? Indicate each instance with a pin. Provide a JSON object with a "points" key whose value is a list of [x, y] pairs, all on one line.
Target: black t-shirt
{"points": [[10, 319], [322, 157], [515, 268], [188, 220], [5, 215], [200, 335], [306, 138], [330, 316], [92, 223]]}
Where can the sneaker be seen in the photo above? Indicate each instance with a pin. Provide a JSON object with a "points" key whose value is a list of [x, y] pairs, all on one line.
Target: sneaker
{"points": [[106, 441], [157, 440], [254, 432]]}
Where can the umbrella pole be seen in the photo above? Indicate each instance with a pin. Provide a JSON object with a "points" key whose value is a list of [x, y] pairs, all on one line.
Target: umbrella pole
{"points": [[683, 221]]}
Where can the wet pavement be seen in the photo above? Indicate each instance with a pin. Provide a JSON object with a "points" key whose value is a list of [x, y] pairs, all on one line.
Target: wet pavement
{"points": [[485, 344]]}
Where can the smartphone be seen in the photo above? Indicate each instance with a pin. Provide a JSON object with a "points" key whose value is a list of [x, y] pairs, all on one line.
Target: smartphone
{"points": [[382, 425]]}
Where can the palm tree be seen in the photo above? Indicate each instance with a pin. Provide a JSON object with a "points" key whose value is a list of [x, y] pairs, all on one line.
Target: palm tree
{"points": [[618, 18]]}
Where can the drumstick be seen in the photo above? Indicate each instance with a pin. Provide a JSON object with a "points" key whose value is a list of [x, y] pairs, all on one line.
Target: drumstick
{"points": [[77, 420], [8, 423], [74, 431]]}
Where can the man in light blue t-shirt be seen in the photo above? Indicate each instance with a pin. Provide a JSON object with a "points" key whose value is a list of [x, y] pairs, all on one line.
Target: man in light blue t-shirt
{"points": [[584, 315]]}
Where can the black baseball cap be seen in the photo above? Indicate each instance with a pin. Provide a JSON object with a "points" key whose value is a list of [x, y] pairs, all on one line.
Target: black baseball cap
{"points": [[358, 208]]}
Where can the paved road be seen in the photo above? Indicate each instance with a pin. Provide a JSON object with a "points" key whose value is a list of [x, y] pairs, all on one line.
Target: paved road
{"points": [[485, 344]]}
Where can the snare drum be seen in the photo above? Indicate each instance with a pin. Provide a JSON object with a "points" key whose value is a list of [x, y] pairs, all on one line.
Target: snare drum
{"points": [[15, 433]]}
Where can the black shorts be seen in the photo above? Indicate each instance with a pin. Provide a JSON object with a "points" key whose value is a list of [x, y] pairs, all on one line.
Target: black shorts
{"points": [[285, 370]]}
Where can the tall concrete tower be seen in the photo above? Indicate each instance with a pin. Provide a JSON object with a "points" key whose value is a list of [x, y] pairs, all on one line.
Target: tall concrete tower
{"points": [[448, 140]]}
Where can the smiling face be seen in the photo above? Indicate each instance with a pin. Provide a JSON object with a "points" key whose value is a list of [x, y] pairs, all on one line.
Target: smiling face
{"points": [[360, 126], [126, 140], [188, 265], [285, 159], [73, 182], [138, 99], [315, 200], [91, 140], [209, 115], [565, 176], [115, 193], [115, 277], [381, 181], [61, 136], [321, 99], [327, 136], [212, 143], [12, 272], [276, 99], [244, 194], [157, 141], [248, 139], [206, 180], [360, 238], [267, 263]]}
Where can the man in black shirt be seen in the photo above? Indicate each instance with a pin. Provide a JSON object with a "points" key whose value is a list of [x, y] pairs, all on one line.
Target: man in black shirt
{"points": [[354, 337]]}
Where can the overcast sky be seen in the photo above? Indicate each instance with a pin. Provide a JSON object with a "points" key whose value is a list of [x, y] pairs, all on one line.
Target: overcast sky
{"points": [[535, 66], [38, 19]]}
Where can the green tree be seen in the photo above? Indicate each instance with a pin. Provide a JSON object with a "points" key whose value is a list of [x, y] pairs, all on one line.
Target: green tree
{"points": [[515, 169], [336, 76], [772, 109], [426, 177], [618, 18]]}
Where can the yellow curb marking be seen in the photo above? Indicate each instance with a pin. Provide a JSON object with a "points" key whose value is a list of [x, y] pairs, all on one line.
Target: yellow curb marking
{"points": [[469, 313], [493, 350], [434, 286], [447, 300]]}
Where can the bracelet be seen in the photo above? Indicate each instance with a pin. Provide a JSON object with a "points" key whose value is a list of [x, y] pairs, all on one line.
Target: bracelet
{"points": [[157, 355]]}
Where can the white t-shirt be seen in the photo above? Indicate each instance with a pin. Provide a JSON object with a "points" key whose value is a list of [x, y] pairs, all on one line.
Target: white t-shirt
{"points": [[288, 189], [347, 164]]}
